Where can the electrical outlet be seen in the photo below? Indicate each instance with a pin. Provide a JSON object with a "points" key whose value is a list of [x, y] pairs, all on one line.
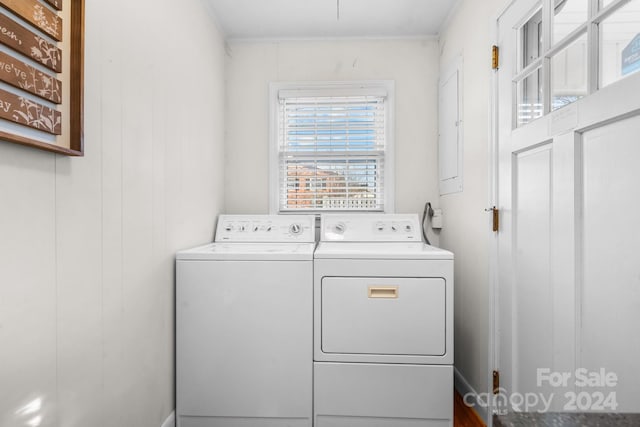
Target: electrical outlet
{"points": [[436, 220]]}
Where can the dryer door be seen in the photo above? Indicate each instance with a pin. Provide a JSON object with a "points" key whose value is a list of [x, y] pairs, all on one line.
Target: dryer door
{"points": [[384, 316]]}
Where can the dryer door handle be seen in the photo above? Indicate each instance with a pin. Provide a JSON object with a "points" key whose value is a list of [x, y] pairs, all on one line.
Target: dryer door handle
{"points": [[389, 292]]}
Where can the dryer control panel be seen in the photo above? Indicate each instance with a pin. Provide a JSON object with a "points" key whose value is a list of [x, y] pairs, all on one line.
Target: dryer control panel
{"points": [[371, 228], [266, 228]]}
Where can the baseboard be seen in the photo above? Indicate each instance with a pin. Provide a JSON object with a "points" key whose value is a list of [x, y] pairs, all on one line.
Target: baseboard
{"points": [[466, 391], [170, 421]]}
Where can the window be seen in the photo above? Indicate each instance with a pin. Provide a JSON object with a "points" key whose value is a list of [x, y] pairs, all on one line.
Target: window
{"points": [[569, 49], [331, 147], [620, 41]]}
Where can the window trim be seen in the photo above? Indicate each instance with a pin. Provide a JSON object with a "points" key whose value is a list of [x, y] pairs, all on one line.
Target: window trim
{"points": [[332, 88]]}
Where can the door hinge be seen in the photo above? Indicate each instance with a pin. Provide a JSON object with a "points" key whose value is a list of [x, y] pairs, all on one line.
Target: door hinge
{"points": [[495, 212], [495, 57], [496, 382]]}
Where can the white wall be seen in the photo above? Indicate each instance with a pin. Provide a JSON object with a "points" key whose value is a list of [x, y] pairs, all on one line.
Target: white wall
{"points": [[466, 224], [413, 64], [87, 244]]}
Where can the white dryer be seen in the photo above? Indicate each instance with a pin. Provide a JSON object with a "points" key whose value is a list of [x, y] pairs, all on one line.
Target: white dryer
{"points": [[383, 324], [244, 325]]}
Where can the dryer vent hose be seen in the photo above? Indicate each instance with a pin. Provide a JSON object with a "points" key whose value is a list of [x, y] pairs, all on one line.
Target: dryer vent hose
{"points": [[427, 213]]}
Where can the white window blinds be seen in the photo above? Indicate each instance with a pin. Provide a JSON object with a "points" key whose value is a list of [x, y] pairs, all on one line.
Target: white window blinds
{"points": [[331, 153]]}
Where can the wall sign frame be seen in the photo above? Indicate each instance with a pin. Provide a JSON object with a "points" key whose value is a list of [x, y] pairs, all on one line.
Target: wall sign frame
{"points": [[42, 74]]}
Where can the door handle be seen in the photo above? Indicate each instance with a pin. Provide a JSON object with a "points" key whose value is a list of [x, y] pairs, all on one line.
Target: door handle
{"points": [[389, 292]]}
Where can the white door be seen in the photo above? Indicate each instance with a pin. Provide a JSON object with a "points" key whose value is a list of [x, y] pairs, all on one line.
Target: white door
{"points": [[568, 190]]}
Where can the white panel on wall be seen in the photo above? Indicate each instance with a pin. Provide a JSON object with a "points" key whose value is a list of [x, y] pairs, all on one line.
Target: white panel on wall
{"points": [[87, 244], [611, 277], [27, 284], [251, 66], [450, 153]]}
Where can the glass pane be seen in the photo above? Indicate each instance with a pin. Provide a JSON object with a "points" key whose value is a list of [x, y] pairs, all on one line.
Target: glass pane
{"points": [[569, 15], [529, 98], [531, 36], [332, 153], [606, 3], [620, 43], [569, 74], [333, 184]]}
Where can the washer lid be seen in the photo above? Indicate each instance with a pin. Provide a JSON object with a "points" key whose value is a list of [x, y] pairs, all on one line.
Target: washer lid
{"points": [[249, 252], [380, 250]]}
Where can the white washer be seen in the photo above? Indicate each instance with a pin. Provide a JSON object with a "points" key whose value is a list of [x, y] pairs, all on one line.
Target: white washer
{"points": [[383, 324], [244, 325]]}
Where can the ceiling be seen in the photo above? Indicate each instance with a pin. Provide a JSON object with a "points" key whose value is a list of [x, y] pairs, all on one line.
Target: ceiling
{"points": [[282, 19]]}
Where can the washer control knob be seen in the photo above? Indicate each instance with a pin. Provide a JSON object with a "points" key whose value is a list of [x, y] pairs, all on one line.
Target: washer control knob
{"points": [[407, 228], [256, 228], [295, 228], [269, 228], [243, 228], [339, 228], [394, 228], [228, 227]]}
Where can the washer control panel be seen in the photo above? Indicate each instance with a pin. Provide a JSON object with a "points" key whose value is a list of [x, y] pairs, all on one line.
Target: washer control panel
{"points": [[371, 228], [266, 228]]}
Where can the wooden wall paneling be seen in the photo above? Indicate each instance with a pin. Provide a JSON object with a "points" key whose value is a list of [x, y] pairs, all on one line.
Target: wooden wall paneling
{"points": [[79, 248], [79, 267], [110, 68], [106, 238], [140, 290], [79, 257], [28, 285], [163, 275]]}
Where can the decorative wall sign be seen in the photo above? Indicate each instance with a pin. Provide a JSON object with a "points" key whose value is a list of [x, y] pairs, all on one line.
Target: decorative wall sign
{"points": [[41, 74], [30, 79], [26, 112], [22, 40], [36, 13], [55, 3]]}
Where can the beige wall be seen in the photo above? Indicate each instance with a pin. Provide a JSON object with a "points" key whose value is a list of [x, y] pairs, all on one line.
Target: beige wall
{"points": [[413, 64], [87, 244], [466, 224]]}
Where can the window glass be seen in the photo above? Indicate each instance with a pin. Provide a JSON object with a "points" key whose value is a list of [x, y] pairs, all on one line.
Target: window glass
{"points": [[569, 15], [569, 74], [531, 36], [529, 106], [332, 152], [620, 43]]}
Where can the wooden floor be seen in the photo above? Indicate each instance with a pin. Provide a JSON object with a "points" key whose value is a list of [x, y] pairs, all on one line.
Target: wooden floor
{"points": [[464, 416]]}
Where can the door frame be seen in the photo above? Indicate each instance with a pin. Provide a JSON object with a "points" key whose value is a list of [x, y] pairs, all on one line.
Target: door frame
{"points": [[492, 198]]}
